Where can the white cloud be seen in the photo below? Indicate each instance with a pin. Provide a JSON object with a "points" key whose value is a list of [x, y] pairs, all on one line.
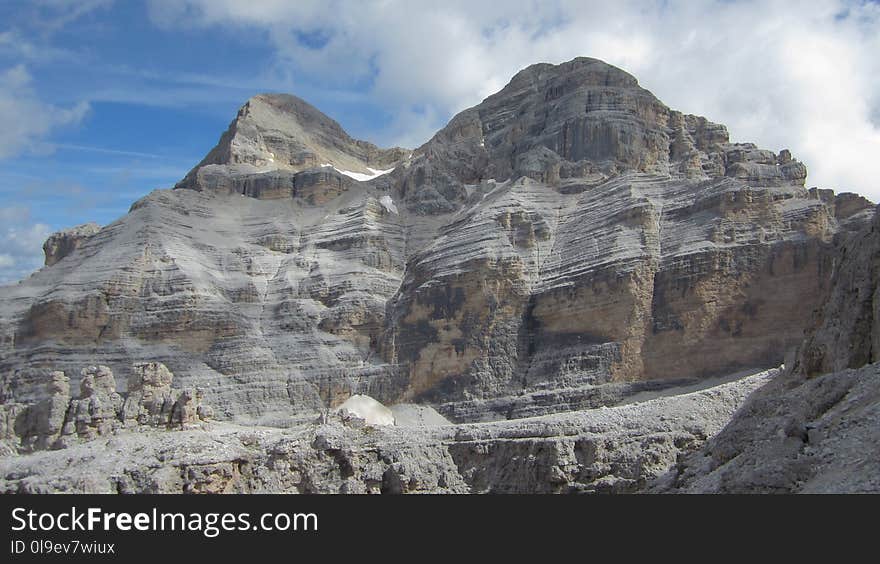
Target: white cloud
{"points": [[803, 75], [15, 44], [21, 243], [53, 15], [26, 120]]}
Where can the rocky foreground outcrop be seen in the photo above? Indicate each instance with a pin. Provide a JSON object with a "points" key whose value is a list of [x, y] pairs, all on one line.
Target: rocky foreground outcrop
{"points": [[794, 435], [566, 242], [38, 412], [615, 449], [569, 243]]}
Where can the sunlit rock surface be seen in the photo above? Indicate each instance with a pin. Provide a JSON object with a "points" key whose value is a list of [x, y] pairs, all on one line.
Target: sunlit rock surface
{"points": [[566, 243], [616, 449], [816, 428]]}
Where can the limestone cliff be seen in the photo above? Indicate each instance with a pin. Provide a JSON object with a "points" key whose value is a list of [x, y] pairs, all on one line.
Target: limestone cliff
{"points": [[64, 242], [816, 428], [566, 242]]}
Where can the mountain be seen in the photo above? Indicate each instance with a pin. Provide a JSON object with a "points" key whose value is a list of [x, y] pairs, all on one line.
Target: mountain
{"points": [[816, 428], [569, 243]]}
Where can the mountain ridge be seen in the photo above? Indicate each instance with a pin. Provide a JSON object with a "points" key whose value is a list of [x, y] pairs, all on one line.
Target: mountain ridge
{"points": [[558, 246]]}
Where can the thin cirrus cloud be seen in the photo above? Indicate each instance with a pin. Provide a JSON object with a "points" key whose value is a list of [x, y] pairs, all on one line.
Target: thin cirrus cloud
{"points": [[27, 120], [805, 78]]}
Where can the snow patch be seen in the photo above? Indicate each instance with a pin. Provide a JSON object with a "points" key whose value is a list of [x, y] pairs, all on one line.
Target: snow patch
{"points": [[388, 203], [368, 409], [374, 173]]}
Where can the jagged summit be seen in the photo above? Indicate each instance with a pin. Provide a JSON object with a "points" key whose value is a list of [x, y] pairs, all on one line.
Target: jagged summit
{"points": [[583, 71], [568, 125], [281, 133], [584, 118], [552, 248]]}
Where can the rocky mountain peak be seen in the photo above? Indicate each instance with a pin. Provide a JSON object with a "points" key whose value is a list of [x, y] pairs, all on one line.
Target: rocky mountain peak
{"points": [[569, 243], [574, 125], [584, 71], [283, 133], [563, 241]]}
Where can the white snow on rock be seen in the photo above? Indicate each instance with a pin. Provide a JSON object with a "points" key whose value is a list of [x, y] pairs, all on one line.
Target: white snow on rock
{"points": [[388, 203], [368, 409], [364, 177]]}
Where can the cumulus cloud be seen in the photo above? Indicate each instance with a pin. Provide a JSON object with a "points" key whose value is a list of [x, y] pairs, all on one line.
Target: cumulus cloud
{"points": [[799, 75], [21, 243], [26, 120]]}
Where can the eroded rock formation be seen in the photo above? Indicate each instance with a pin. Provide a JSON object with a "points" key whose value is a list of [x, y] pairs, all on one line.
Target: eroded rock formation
{"points": [[616, 449], [40, 413], [816, 428], [567, 244], [64, 242], [555, 247]]}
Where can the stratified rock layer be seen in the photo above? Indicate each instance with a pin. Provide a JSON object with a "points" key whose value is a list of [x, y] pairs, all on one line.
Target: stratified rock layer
{"points": [[39, 413], [552, 248], [605, 450], [62, 243], [816, 429]]}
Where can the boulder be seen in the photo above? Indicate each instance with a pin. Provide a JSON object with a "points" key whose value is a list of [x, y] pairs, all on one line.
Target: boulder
{"points": [[64, 242], [368, 409]]}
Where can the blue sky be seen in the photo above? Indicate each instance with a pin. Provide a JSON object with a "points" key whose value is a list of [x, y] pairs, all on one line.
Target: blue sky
{"points": [[103, 101]]}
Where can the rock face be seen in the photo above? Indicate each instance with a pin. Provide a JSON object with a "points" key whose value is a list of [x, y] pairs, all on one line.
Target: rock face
{"points": [[816, 429], [368, 409], [794, 435], [38, 411], [276, 136], [847, 331], [605, 450], [64, 242], [619, 240], [566, 242]]}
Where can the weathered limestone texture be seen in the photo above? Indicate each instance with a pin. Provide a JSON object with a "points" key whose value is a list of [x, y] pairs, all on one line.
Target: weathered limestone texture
{"points": [[64, 242], [570, 287], [566, 238], [816, 429], [31, 420], [615, 449]]}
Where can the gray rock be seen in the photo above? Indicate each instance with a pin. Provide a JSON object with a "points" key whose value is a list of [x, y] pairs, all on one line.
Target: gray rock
{"points": [[816, 429], [62, 243], [794, 435], [51, 418], [275, 136], [96, 412], [550, 249], [605, 450]]}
